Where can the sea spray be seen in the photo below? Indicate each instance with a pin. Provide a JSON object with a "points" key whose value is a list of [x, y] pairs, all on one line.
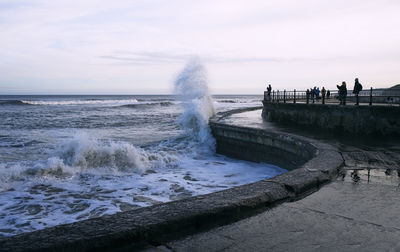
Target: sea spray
{"points": [[192, 89]]}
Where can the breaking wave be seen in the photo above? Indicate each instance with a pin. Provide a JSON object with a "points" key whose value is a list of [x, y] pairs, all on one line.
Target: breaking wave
{"points": [[12, 102], [84, 154], [82, 102], [144, 105]]}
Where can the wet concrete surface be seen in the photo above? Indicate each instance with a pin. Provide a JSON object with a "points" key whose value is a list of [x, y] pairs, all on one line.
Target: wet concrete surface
{"points": [[357, 212], [341, 216]]}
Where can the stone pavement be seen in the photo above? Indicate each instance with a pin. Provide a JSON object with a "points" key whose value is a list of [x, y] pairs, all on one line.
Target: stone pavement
{"points": [[342, 216]]}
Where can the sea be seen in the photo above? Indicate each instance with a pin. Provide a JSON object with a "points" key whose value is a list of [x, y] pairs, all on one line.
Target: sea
{"points": [[66, 158]]}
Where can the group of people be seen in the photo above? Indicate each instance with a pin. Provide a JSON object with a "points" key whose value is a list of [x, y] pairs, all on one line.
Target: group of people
{"points": [[343, 91], [316, 94]]}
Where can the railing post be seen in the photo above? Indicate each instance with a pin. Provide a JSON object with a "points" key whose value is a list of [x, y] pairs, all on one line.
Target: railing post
{"points": [[294, 95], [370, 97], [284, 96]]}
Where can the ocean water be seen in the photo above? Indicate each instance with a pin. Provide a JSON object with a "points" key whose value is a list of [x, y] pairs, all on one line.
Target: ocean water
{"points": [[69, 158]]}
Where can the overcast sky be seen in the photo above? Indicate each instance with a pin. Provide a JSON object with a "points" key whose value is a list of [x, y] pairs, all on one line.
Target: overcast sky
{"points": [[139, 47]]}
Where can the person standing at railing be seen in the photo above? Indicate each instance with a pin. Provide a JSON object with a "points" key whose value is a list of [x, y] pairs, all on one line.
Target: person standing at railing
{"points": [[323, 92], [313, 93], [307, 96], [357, 88], [328, 94], [268, 97], [342, 93], [269, 88]]}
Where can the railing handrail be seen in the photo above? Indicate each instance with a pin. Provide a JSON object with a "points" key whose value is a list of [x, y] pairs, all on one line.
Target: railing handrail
{"points": [[375, 96]]}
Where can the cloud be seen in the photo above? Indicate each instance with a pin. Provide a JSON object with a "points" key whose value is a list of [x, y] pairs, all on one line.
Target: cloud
{"points": [[240, 41], [141, 58]]}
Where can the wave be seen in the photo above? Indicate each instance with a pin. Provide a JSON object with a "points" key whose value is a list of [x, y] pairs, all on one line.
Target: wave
{"points": [[141, 105], [81, 102], [236, 101], [155, 99], [84, 154], [12, 102], [20, 145]]}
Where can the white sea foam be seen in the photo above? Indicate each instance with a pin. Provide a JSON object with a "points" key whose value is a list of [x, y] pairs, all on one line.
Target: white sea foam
{"points": [[192, 89], [94, 169], [9, 174], [86, 154], [82, 102]]}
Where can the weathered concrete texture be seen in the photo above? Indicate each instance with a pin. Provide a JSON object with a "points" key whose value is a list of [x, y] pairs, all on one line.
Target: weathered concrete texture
{"points": [[380, 120], [339, 217]]}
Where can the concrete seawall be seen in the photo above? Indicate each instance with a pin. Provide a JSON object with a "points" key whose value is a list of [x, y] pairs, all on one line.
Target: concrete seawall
{"points": [[379, 120], [261, 146], [312, 164]]}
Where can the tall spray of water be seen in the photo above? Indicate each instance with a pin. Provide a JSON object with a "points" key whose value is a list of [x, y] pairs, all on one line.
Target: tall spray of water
{"points": [[191, 88]]}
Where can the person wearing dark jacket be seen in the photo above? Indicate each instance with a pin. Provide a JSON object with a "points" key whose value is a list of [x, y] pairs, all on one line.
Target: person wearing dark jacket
{"points": [[307, 96], [357, 88], [342, 93]]}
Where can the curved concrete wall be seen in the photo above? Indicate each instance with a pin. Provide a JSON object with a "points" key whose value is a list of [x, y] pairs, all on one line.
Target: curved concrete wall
{"points": [[259, 145], [380, 120]]}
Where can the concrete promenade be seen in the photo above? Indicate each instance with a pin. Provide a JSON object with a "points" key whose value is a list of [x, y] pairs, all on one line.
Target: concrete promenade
{"points": [[341, 216], [359, 211]]}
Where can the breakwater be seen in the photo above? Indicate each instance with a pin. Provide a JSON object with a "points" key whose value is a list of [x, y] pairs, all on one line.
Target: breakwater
{"points": [[311, 163], [359, 120]]}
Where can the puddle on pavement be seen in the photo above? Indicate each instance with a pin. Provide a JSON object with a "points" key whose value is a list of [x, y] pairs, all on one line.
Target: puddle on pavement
{"points": [[372, 176]]}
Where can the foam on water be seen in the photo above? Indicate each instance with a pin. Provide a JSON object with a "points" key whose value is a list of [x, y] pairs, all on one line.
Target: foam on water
{"points": [[85, 174]]}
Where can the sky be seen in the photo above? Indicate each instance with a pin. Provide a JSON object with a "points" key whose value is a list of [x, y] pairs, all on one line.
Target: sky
{"points": [[139, 47]]}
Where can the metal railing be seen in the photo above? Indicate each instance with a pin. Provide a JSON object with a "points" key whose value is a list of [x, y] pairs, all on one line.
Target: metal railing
{"points": [[370, 96]]}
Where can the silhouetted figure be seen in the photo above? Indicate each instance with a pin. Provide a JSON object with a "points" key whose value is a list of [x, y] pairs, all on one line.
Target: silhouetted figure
{"points": [[328, 94], [323, 92], [342, 93], [313, 93], [357, 88], [269, 88], [308, 96], [317, 92]]}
